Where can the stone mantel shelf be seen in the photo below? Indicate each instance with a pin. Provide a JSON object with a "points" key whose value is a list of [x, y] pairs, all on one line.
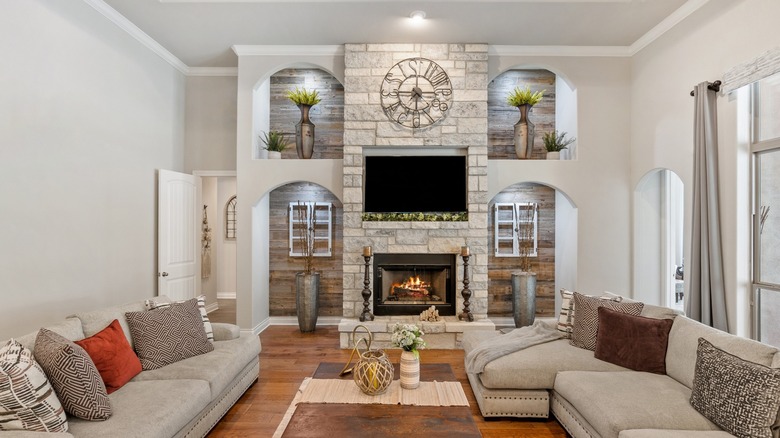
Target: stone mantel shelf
{"points": [[444, 334]]}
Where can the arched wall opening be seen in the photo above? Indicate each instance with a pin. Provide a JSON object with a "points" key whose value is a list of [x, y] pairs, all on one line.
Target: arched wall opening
{"points": [[659, 201], [556, 111], [555, 258]]}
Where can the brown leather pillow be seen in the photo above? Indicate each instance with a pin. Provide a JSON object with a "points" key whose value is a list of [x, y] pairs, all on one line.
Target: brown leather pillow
{"points": [[634, 342]]}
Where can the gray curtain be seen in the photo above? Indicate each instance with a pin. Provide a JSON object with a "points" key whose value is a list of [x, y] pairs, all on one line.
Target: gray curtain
{"points": [[707, 297]]}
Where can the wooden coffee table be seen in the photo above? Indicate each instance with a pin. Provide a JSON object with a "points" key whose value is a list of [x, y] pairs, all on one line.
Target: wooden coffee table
{"points": [[332, 420]]}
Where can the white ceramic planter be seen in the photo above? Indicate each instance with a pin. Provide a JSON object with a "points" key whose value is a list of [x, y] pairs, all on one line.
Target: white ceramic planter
{"points": [[553, 155], [273, 155]]}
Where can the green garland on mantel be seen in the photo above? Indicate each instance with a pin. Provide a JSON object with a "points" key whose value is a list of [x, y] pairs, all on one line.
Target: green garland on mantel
{"points": [[416, 217]]}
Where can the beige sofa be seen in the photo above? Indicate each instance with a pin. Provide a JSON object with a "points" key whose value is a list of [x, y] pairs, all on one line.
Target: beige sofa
{"points": [[593, 398], [183, 399]]}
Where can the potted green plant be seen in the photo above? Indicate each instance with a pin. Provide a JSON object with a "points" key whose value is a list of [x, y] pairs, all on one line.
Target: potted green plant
{"points": [[304, 129], [409, 338], [275, 143], [555, 143], [524, 99]]}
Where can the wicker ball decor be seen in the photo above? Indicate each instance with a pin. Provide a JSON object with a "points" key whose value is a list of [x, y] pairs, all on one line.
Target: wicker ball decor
{"points": [[373, 372]]}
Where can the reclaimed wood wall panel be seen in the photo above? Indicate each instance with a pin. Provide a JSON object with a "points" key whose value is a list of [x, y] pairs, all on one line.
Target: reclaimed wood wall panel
{"points": [[500, 268], [327, 116], [502, 117], [283, 267]]}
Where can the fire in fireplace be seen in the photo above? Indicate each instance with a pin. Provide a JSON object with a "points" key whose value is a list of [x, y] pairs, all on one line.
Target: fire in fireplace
{"points": [[407, 284]]}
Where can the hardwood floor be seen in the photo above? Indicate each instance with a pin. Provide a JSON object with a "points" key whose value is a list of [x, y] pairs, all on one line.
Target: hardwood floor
{"points": [[288, 356]]}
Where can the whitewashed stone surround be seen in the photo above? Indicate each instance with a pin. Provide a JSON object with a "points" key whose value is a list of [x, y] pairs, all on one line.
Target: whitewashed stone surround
{"points": [[465, 126]]}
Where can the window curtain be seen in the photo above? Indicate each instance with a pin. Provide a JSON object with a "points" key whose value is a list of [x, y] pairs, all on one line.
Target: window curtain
{"points": [[707, 297]]}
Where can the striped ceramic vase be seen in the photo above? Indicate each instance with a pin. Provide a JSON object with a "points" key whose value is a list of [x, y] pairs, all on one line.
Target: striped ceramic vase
{"points": [[410, 370]]}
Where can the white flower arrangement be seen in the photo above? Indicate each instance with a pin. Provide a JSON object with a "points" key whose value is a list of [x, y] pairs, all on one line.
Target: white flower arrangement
{"points": [[408, 337]]}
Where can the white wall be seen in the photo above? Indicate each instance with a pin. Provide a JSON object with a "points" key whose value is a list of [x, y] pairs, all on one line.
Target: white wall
{"points": [[208, 286], [226, 248], [210, 132], [648, 238], [87, 114], [719, 36]]}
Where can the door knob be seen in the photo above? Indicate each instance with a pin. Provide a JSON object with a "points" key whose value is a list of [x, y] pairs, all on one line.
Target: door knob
{"points": [[164, 274]]}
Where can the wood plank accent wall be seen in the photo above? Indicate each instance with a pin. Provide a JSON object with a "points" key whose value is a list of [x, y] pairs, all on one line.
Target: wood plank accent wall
{"points": [[500, 268], [502, 117], [283, 267], [327, 116]]}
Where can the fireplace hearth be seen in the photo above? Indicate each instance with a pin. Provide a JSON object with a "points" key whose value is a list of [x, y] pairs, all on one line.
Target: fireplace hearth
{"points": [[407, 284]]}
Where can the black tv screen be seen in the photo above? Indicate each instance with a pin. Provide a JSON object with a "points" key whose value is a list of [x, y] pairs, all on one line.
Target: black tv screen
{"points": [[415, 184]]}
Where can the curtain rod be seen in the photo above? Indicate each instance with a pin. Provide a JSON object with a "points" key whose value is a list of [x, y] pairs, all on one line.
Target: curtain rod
{"points": [[714, 86]]}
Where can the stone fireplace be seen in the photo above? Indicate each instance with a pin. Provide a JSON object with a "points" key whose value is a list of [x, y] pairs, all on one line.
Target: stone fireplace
{"points": [[367, 130], [407, 284]]}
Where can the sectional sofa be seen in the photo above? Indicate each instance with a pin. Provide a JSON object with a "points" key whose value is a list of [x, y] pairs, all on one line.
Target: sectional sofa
{"points": [[594, 398], [183, 399]]}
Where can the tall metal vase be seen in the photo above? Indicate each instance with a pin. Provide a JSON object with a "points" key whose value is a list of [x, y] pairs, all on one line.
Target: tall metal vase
{"points": [[523, 298], [307, 290], [524, 133], [304, 134]]}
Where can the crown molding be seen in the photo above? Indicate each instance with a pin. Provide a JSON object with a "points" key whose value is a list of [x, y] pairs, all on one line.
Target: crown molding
{"points": [[291, 50], [142, 37], [667, 24], [212, 71], [608, 51]]}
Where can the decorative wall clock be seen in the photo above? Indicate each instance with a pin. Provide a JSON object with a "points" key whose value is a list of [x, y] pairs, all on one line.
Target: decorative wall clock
{"points": [[416, 93]]}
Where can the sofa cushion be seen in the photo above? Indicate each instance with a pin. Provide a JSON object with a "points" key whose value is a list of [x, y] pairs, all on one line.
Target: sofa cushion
{"points": [[661, 433], [27, 400], [218, 367], [586, 323], [158, 304], [69, 329], [167, 335], [155, 409], [616, 401], [684, 340], [635, 342], [73, 376], [112, 355], [96, 320], [740, 396], [536, 367]]}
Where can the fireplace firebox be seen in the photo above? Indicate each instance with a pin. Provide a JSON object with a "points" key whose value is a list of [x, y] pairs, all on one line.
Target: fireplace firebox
{"points": [[407, 284]]}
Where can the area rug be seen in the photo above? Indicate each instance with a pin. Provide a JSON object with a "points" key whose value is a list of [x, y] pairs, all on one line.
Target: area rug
{"points": [[443, 402]]}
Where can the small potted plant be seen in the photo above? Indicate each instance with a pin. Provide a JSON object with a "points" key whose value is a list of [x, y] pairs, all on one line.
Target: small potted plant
{"points": [[409, 338], [555, 143], [304, 129], [524, 99], [275, 143]]}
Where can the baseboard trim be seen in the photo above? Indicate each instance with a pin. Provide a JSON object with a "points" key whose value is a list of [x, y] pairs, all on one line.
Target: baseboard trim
{"points": [[254, 331], [212, 307], [226, 295]]}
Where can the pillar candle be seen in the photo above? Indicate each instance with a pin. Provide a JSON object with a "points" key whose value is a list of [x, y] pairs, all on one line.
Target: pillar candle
{"points": [[366, 251], [464, 251]]}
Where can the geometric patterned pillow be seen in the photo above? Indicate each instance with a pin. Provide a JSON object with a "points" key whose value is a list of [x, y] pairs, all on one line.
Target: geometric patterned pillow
{"points": [[566, 317], [73, 375], [168, 334], [27, 400], [586, 325], [739, 396], [151, 304]]}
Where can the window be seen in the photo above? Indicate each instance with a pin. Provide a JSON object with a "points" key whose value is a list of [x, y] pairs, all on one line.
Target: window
{"points": [[314, 219], [515, 229], [230, 218], [765, 148]]}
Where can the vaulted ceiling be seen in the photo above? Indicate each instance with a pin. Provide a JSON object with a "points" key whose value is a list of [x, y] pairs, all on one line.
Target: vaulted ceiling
{"points": [[201, 32]]}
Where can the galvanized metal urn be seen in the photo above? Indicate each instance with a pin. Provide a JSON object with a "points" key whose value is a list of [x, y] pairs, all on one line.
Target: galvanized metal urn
{"points": [[304, 134], [523, 298], [307, 291]]}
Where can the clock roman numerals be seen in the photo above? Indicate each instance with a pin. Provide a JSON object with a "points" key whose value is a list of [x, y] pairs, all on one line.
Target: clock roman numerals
{"points": [[416, 93]]}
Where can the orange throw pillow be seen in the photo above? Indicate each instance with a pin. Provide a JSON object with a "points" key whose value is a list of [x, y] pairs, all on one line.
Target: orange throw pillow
{"points": [[113, 357]]}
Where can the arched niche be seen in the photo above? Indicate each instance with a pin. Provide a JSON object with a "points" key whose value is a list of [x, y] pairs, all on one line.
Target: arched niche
{"points": [[272, 110], [556, 256], [658, 238], [556, 111], [272, 245]]}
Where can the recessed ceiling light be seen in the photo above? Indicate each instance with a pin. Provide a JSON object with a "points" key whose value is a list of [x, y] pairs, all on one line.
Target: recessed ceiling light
{"points": [[417, 16]]}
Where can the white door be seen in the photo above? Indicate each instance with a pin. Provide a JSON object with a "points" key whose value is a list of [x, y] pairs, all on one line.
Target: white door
{"points": [[179, 229]]}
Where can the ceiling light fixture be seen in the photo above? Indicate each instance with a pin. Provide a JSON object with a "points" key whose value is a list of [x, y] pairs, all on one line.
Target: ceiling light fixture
{"points": [[417, 16]]}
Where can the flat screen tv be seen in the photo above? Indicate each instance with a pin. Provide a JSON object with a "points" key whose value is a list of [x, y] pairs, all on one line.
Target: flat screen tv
{"points": [[415, 184]]}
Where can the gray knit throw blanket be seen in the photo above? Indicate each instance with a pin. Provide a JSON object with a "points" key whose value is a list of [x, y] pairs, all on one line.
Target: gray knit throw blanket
{"points": [[516, 340]]}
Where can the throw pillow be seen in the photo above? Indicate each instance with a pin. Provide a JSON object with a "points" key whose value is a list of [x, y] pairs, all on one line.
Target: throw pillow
{"points": [[114, 359], [741, 397], [73, 376], [566, 317], [27, 400], [152, 304], [586, 324], [634, 342], [168, 334]]}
